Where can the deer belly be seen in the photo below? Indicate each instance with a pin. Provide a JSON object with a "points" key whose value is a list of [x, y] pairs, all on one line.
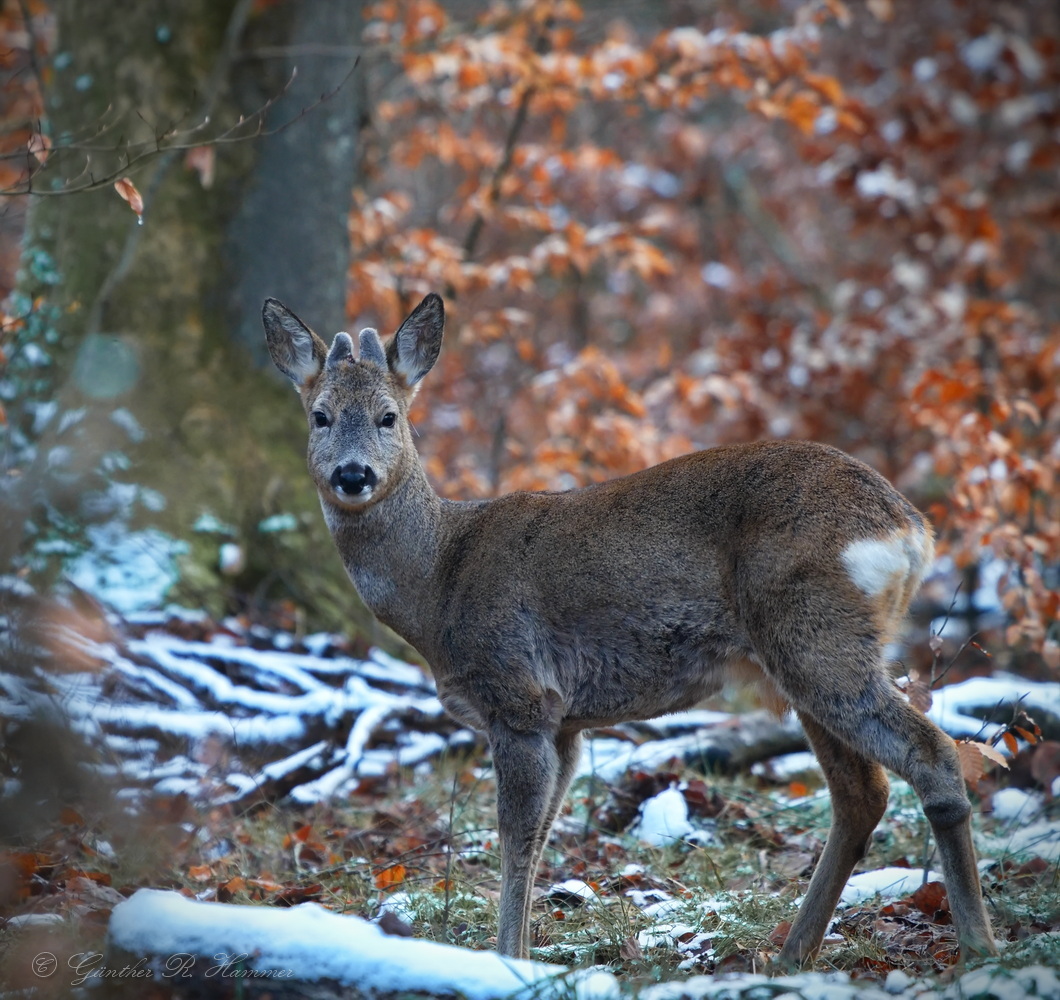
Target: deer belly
{"points": [[605, 685]]}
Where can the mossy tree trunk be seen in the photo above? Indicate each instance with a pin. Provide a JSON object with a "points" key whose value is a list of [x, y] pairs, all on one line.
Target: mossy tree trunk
{"points": [[147, 357]]}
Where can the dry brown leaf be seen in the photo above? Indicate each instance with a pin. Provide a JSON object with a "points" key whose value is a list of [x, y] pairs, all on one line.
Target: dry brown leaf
{"points": [[919, 694], [128, 192], [631, 950], [930, 898]]}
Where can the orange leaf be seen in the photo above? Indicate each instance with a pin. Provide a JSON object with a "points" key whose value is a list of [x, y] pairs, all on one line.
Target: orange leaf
{"points": [[127, 191], [802, 112], [827, 86], [1010, 742], [389, 877], [201, 873], [797, 790], [265, 883], [1026, 734], [780, 933], [227, 891], [301, 835]]}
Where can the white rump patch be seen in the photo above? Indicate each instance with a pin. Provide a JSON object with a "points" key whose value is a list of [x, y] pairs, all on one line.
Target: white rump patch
{"points": [[874, 564]]}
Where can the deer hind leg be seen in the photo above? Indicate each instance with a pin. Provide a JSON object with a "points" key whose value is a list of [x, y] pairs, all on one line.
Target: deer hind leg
{"points": [[913, 746], [528, 770], [858, 787], [884, 728], [822, 647]]}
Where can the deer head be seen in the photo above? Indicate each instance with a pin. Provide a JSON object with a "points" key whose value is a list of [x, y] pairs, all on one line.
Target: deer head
{"points": [[360, 443]]}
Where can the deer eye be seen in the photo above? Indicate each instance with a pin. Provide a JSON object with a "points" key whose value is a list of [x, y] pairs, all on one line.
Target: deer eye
{"points": [[320, 418], [387, 420]]}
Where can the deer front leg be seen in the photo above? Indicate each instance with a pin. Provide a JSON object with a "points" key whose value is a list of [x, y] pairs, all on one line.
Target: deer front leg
{"points": [[527, 767], [569, 750]]}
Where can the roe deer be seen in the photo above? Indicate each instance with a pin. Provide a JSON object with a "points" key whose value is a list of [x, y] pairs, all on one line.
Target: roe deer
{"points": [[541, 614]]}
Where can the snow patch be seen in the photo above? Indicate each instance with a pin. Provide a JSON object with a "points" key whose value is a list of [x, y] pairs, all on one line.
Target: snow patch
{"points": [[892, 883], [663, 819], [311, 943], [1012, 804], [127, 570], [959, 709]]}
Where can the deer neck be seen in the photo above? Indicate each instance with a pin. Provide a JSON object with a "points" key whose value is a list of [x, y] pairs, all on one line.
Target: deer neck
{"points": [[390, 551]]}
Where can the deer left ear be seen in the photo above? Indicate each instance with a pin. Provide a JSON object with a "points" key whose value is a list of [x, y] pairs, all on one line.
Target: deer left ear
{"points": [[413, 350], [294, 348]]}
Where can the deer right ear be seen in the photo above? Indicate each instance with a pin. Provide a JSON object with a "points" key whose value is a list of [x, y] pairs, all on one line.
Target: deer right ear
{"points": [[295, 349], [413, 350]]}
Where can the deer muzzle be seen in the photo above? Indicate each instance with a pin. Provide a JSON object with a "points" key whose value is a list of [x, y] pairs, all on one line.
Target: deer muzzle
{"points": [[353, 479]]}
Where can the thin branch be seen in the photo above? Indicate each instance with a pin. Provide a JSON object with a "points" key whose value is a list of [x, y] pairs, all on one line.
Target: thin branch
{"points": [[34, 62], [479, 221], [502, 168], [142, 152], [233, 32], [769, 230]]}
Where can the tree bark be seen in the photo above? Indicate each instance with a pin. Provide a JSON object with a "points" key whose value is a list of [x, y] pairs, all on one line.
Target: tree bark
{"points": [[289, 237], [162, 320]]}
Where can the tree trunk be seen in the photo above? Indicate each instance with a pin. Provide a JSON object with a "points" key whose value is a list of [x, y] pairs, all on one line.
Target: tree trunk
{"points": [[162, 320]]}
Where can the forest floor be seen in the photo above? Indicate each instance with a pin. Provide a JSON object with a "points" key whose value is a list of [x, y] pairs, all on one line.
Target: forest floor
{"points": [[252, 768]]}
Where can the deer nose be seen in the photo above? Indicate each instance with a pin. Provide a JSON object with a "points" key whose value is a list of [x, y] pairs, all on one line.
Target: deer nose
{"points": [[353, 478]]}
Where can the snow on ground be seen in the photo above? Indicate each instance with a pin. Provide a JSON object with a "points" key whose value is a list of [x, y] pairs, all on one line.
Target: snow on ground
{"points": [[663, 819], [181, 937], [1039, 839], [890, 883], [988, 983], [131, 570], [787, 765], [1015, 805], [299, 720], [959, 708], [310, 943]]}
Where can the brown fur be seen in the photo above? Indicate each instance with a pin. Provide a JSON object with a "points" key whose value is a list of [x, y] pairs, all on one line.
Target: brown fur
{"points": [[543, 614]]}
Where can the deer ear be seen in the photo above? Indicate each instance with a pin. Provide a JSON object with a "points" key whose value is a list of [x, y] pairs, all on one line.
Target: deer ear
{"points": [[413, 350], [295, 349]]}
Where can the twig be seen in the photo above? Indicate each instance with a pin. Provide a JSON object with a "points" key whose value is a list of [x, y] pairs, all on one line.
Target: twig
{"points": [[765, 224], [449, 854], [34, 63], [233, 32], [502, 168], [479, 221], [133, 156]]}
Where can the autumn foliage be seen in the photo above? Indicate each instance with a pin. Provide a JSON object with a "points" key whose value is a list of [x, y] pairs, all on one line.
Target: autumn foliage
{"points": [[672, 231], [660, 228]]}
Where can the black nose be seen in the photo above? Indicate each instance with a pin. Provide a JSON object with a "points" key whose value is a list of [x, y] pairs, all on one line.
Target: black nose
{"points": [[353, 478]]}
